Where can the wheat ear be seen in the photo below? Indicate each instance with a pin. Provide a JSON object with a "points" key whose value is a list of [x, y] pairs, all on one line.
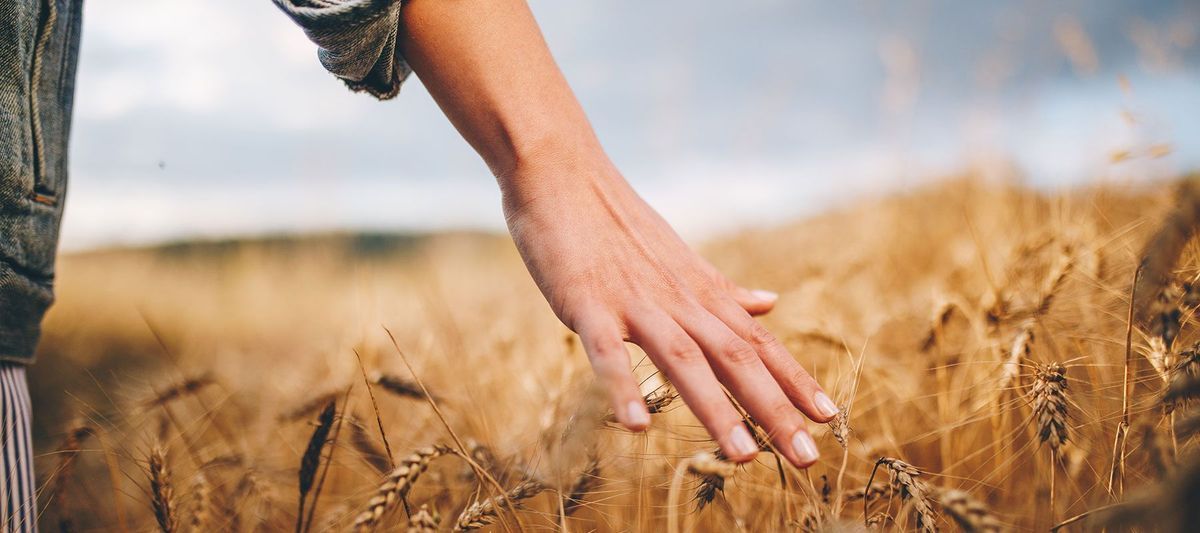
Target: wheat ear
{"points": [[483, 513], [201, 504], [311, 460], [1050, 404], [906, 480], [586, 483], [183, 388], [398, 386], [970, 514], [371, 453], [423, 521], [396, 485], [162, 495]]}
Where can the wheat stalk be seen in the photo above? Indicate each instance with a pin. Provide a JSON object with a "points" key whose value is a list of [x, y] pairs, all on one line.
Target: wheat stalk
{"points": [[484, 512], [905, 480], [396, 485]]}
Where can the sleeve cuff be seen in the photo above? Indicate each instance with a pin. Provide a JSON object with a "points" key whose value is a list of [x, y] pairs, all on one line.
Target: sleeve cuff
{"points": [[356, 41]]}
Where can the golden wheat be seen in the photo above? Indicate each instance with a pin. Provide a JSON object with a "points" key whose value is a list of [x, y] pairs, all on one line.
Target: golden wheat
{"points": [[482, 513], [162, 494], [396, 486]]}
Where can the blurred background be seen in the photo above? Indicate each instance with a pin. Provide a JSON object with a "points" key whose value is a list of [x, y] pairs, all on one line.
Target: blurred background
{"points": [[240, 228], [213, 118]]}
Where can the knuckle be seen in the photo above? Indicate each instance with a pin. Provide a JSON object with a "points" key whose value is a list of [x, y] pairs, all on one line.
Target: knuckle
{"points": [[759, 336], [738, 352], [800, 378], [605, 347], [683, 351], [784, 417]]}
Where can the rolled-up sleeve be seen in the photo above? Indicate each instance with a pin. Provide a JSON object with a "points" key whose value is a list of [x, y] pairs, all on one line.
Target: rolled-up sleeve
{"points": [[356, 41]]}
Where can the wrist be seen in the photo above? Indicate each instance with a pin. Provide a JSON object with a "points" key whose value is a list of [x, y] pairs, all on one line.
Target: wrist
{"points": [[556, 171]]}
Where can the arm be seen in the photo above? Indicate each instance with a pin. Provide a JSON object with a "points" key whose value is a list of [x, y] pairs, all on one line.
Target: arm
{"points": [[609, 266]]}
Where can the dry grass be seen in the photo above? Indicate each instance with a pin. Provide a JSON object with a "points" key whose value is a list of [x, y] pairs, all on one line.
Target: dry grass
{"points": [[950, 319]]}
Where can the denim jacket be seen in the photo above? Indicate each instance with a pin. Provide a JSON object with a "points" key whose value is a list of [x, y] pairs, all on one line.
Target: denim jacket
{"points": [[39, 42], [39, 45]]}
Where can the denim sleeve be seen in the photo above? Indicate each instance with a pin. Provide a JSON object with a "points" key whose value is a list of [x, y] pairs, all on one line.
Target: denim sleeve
{"points": [[356, 41]]}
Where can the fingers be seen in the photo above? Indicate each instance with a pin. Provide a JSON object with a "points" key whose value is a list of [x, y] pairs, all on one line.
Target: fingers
{"points": [[739, 367], [796, 382], [756, 302], [678, 356], [605, 346]]}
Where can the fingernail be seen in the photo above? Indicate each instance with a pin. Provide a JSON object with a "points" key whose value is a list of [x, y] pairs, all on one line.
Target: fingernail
{"points": [[765, 295], [805, 448], [636, 414], [825, 406], [741, 441]]}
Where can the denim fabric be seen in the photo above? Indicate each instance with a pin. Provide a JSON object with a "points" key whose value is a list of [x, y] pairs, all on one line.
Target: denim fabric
{"points": [[39, 43], [356, 40]]}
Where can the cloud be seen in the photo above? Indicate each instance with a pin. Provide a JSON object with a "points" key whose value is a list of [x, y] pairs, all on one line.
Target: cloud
{"points": [[759, 109]]}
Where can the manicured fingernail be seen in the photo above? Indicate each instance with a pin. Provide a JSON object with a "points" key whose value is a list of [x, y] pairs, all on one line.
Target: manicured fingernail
{"points": [[805, 448], [741, 441], [636, 414], [765, 295], [825, 406]]}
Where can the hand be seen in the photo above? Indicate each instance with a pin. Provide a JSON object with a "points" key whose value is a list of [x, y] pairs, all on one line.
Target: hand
{"points": [[613, 270]]}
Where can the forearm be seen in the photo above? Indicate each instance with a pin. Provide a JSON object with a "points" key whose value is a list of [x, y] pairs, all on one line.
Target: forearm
{"points": [[488, 67], [610, 267]]}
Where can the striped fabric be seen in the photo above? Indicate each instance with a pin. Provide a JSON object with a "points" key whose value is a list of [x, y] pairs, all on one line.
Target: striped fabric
{"points": [[16, 492]]}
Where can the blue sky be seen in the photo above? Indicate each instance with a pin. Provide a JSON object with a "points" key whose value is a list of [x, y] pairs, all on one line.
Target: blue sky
{"points": [[213, 118]]}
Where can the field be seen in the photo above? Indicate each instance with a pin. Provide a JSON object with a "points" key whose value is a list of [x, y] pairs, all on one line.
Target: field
{"points": [[974, 331]]}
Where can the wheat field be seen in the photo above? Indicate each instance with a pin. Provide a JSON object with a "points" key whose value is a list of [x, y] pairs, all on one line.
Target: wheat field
{"points": [[974, 332]]}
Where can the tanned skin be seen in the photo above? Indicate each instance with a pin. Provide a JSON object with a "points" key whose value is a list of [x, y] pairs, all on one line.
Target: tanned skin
{"points": [[611, 268]]}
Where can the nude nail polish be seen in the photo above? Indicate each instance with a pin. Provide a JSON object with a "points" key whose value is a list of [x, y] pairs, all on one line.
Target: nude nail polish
{"points": [[765, 295], [805, 448], [741, 441], [824, 405], [636, 414]]}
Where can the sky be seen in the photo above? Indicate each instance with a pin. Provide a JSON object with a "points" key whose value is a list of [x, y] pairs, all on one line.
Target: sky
{"points": [[213, 118]]}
